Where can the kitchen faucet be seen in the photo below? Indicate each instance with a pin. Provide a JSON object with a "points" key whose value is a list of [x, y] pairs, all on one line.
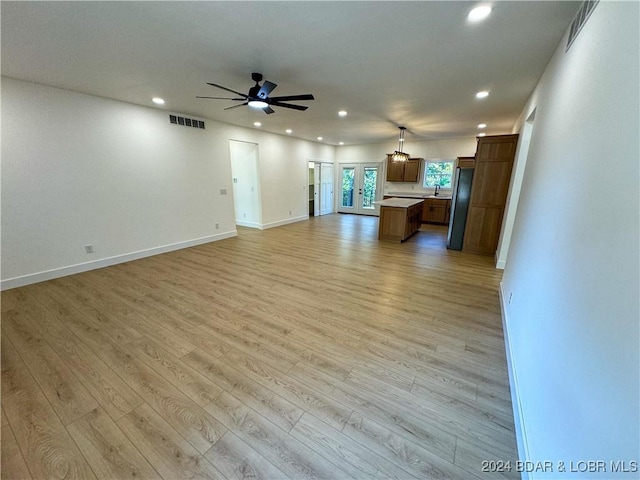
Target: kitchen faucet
{"points": [[437, 190]]}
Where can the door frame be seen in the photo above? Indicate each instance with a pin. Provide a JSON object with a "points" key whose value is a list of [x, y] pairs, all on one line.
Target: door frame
{"points": [[247, 171], [317, 187], [359, 169]]}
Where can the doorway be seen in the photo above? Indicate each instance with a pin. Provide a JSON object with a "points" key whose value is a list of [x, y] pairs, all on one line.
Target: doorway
{"points": [[321, 189], [513, 196], [246, 185], [360, 185]]}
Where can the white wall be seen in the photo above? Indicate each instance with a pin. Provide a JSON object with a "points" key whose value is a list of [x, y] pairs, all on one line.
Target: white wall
{"points": [[78, 170], [573, 265], [284, 173]]}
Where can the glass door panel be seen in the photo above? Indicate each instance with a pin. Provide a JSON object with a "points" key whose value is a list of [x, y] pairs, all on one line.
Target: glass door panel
{"points": [[369, 187], [348, 180]]}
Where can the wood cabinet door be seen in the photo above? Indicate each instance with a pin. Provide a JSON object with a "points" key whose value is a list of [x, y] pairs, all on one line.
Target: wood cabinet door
{"points": [[482, 230], [411, 170], [395, 171], [494, 162], [466, 162], [435, 211]]}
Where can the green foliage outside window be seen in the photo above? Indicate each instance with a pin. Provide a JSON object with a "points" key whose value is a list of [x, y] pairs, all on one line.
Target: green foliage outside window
{"points": [[369, 187], [347, 187], [438, 172]]}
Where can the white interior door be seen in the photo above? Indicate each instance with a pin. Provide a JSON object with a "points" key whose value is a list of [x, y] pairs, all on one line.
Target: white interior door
{"points": [[360, 186], [326, 188], [316, 188], [246, 191]]}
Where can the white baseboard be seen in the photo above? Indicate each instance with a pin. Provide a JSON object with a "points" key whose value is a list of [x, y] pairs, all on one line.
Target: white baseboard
{"points": [[521, 434], [284, 222], [106, 262], [248, 224]]}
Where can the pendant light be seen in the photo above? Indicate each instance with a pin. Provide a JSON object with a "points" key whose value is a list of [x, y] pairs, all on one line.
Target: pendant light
{"points": [[398, 156]]}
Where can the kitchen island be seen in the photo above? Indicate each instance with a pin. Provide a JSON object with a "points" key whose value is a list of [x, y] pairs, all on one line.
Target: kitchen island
{"points": [[399, 218]]}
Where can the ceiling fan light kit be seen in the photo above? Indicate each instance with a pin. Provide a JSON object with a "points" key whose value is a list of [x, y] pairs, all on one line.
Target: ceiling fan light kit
{"points": [[258, 96], [398, 155], [258, 104]]}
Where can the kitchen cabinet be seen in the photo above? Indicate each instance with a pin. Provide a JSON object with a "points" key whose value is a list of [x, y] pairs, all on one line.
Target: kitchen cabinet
{"points": [[403, 171], [491, 179], [466, 162], [436, 210], [399, 218]]}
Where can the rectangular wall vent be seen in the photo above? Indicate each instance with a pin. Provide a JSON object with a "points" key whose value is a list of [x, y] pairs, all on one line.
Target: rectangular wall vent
{"points": [[187, 122], [581, 18]]}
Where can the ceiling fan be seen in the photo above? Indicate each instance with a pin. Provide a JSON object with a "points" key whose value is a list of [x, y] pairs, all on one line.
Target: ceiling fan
{"points": [[258, 96]]}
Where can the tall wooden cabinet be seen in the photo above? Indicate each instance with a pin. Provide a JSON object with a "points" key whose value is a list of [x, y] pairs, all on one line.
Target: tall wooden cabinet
{"points": [[491, 177]]}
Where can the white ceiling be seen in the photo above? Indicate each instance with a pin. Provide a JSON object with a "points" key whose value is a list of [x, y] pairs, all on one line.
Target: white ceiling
{"points": [[416, 64]]}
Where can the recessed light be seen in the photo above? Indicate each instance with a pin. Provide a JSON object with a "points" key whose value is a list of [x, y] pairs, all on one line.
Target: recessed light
{"points": [[289, 131], [340, 143], [482, 94], [158, 100], [482, 134], [257, 124], [479, 13], [482, 125], [319, 138], [342, 113]]}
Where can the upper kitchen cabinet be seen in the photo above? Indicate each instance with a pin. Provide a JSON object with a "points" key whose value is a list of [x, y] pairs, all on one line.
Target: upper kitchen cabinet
{"points": [[403, 171], [491, 178], [466, 162]]}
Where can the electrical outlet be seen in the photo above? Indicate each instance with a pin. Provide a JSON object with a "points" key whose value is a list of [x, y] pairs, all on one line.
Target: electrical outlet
{"points": [[244, 215], [289, 212], [217, 225], [88, 248], [510, 297], [223, 191]]}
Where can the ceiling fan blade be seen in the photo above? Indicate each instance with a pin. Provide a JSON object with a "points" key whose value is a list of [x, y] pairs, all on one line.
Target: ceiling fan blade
{"points": [[268, 110], [227, 89], [288, 105], [224, 98], [236, 106], [266, 89], [306, 96]]}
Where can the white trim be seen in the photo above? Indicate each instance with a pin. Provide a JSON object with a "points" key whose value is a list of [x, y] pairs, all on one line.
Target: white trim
{"points": [[279, 223], [500, 264], [521, 433], [106, 262], [249, 224]]}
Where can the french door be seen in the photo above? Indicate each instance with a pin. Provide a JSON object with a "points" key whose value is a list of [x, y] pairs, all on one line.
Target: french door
{"points": [[360, 185]]}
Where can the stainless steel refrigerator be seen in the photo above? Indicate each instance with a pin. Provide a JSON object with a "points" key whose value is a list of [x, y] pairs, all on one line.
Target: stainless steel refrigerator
{"points": [[459, 207]]}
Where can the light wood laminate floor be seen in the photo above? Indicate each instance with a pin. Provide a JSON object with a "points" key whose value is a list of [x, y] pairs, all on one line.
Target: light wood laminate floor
{"points": [[307, 351]]}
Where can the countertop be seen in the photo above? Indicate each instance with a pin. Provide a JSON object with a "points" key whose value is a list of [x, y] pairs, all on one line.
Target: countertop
{"points": [[398, 202], [417, 195]]}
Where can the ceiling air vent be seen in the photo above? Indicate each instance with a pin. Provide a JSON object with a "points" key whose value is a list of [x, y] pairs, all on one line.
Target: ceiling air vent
{"points": [[186, 122], [581, 18]]}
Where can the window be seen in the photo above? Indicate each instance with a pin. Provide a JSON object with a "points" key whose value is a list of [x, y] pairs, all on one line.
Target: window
{"points": [[438, 172]]}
